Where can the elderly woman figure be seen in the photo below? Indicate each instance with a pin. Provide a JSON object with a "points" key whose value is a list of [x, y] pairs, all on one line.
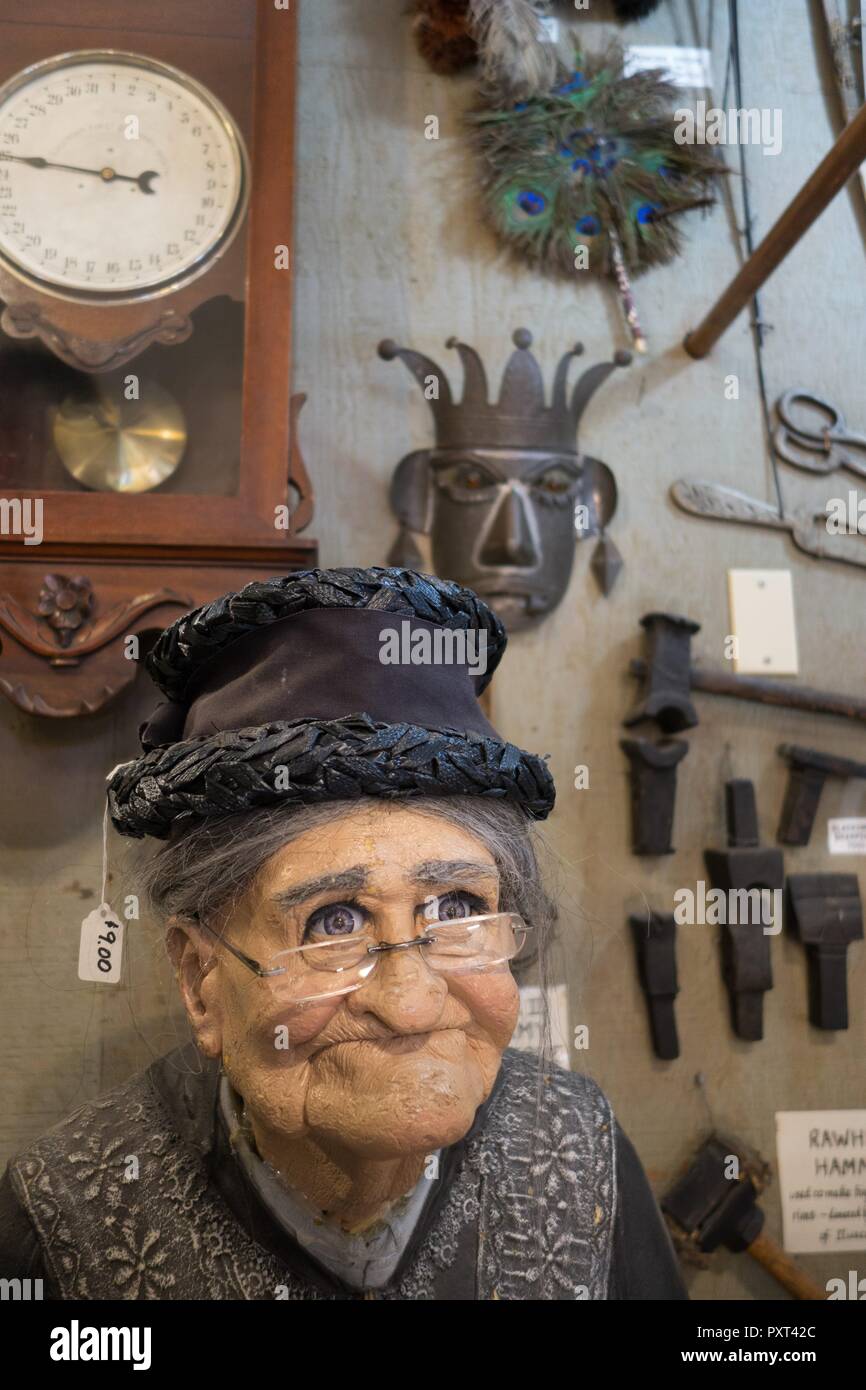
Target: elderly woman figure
{"points": [[347, 877]]}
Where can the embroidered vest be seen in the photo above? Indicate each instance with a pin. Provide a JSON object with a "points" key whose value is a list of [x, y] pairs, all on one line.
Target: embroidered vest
{"points": [[536, 1218]]}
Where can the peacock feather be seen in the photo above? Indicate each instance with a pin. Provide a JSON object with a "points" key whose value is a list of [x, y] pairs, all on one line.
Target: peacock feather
{"points": [[589, 174]]}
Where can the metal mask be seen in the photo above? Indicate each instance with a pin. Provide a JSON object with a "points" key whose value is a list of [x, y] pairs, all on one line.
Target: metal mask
{"points": [[505, 492]]}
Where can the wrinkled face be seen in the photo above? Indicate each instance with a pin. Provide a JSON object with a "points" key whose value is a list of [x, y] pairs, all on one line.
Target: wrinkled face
{"points": [[503, 525], [401, 1064]]}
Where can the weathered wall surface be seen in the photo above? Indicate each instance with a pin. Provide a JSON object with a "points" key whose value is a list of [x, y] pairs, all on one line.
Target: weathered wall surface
{"points": [[389, 244]]}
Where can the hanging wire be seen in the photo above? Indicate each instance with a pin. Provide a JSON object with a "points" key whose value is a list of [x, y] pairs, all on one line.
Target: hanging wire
{"points": [[759, 327], [745, 239]]}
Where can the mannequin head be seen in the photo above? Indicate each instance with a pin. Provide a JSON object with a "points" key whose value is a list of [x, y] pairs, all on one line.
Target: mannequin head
{"points": [[400, 1064]]}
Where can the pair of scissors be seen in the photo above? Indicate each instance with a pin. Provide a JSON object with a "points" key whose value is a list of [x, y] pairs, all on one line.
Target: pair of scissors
{"points": [[814, 435]]}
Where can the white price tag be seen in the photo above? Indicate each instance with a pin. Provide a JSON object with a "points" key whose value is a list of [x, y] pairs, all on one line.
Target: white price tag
{"points": [[846, 835], [100, 953], [683, 67]]}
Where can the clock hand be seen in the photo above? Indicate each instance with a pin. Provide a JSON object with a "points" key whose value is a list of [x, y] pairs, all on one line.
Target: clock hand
{"points": [[107, 174]]}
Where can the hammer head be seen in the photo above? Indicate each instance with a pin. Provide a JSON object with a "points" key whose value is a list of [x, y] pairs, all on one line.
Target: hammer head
{"points": [[714, 1202]]}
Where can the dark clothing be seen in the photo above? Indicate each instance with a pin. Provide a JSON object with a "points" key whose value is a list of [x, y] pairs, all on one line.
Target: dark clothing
{"points": [[568, 1216]]}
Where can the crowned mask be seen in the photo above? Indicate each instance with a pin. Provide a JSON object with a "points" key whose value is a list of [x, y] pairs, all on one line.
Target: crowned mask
{"points": [[505, 492]]}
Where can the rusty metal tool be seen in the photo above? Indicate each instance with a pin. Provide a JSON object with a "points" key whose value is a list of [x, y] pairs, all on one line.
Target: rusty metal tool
{"points": [[768, 692], [653, 769], [743, 869], [665, 696], [655, 942], [825, 913], [715, 502], [808, 772]]}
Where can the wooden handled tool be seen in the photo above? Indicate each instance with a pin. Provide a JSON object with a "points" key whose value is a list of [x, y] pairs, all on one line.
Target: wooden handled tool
{"points": [[715, 1203]]}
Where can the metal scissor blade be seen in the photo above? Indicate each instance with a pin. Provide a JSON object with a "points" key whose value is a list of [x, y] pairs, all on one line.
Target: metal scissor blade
{"points": [[720, 503]]}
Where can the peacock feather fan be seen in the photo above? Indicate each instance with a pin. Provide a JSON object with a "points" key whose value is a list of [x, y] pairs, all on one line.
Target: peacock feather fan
{"points": [[589, 174]]}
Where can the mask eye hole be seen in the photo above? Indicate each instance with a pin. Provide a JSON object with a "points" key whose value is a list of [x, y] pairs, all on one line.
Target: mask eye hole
{"points": [[466, 479], [555, 481]]}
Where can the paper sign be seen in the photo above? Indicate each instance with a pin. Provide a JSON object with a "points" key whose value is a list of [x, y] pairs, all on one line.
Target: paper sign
{"points": [[100, 951], [822, 1179], [683, 67], [530, 1021], [846, 835], [550, 26]]}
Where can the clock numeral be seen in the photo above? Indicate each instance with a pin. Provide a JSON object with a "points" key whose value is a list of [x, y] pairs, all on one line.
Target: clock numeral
{"points": [[54, 99], [189, 236], [34, 239], [70, 263], [11, 139], [50, 253], [172, 249], [90, 266], [112, 267], [207, 202], [92, 88], [72, 90], [135, 263]]}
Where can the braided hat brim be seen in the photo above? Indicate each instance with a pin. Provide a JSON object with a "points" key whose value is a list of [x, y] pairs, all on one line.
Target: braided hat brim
{"points": [[311, 761]]}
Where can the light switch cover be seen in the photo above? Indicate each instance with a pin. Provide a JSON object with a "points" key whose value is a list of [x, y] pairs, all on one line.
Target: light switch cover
{"points": [[762, 621]]}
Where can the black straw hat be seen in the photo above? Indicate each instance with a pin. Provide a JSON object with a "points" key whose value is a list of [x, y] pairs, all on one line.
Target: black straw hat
{"points": [[323, 685]]}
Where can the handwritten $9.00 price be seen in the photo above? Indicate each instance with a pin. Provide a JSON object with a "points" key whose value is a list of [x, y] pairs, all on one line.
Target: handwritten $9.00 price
{"points": [[100, 953]]}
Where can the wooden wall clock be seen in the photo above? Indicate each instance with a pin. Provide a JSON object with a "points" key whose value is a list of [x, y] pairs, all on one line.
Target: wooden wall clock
{"points": [[148, 442]]}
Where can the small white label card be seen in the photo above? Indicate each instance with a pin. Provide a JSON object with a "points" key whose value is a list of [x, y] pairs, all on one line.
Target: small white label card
{"points": [[683, 67], [822, 1179], [846, 835], [550, 29], [100, 952], [530, 1021]]}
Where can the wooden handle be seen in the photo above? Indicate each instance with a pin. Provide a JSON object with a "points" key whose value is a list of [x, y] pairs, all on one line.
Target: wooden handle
{"points": [[832, 173], [789, 1275]]}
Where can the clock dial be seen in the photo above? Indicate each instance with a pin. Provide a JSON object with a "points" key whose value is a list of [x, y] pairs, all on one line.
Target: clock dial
{"points": [[120, 177]]}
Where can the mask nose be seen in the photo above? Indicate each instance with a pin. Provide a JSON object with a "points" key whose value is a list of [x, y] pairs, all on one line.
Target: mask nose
{"points": [[509, 537]]}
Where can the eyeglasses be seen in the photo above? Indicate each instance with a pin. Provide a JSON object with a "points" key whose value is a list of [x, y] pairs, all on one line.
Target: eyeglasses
{"points": [[321, 969]]}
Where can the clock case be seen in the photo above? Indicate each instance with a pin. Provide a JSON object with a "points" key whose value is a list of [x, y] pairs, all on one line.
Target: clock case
{"points": [[114, 565]]}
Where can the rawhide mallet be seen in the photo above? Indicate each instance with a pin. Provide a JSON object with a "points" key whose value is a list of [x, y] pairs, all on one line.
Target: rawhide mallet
{"points": [[706, 1209]]}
